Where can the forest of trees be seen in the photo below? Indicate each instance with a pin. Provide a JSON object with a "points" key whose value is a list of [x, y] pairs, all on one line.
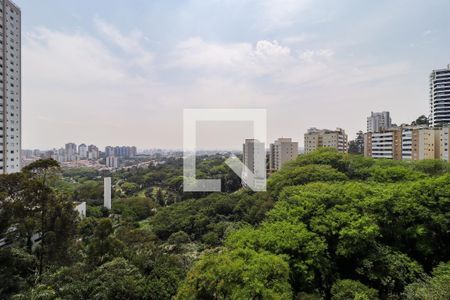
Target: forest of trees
{"points": [[330, 226]]}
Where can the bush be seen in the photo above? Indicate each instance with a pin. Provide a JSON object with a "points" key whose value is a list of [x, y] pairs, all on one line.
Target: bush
{"points": [[134, 209], [394, 174], [303, 175], [347, 289], [237, 274]]}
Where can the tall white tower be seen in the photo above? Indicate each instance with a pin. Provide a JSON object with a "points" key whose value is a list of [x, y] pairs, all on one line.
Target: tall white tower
{"points": [[440, 97], [254, 158], [10, 88], [107, 192]]}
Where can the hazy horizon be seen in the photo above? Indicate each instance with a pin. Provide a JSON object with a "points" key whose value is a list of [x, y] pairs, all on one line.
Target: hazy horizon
{"points": [[111, 73]]}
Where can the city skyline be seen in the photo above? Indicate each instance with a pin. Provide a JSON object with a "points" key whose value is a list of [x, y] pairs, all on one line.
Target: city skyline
{"points": [[119, 74]]}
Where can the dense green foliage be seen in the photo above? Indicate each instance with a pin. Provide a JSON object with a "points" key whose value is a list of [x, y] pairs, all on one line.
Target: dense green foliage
{"points": [[209, 218], [238, 274], [331, 226], [352, 228]]}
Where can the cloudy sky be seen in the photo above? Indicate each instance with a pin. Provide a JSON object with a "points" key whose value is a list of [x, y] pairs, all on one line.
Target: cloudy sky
{"points": [[121, 72]]}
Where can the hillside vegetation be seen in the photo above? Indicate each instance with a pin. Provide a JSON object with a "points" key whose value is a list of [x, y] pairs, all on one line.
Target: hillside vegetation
{"points": [[330, 226]]}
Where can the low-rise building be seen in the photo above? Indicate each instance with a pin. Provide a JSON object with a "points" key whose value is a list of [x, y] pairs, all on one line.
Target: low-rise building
{"points": [[444, 152], [384, 144], [425, 143], [406, 142]]}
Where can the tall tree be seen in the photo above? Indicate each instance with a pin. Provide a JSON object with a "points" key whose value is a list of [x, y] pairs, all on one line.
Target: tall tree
{"points": [[357, 145], [42, 217], [422, 120]]}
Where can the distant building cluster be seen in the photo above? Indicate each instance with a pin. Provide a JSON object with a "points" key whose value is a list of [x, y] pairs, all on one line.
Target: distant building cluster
{"points": [[69, 153], [426, 138], [83, 155], [416, 141], [121, 151]]}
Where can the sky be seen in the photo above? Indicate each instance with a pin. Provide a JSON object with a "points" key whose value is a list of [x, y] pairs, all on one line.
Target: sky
{"points": [[110, 72]]}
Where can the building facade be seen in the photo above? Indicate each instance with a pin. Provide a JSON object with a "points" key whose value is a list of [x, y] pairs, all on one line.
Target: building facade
{"points": [[444, 152], [384, 144], [71, 151], [83, 151], [93, 152], [254, 158], [10, 91], [109, 151], [425, 144], [379, 121], [121, 151], [440, 97], [112, 162], [282, 151], [317, 138], [407, 143]]}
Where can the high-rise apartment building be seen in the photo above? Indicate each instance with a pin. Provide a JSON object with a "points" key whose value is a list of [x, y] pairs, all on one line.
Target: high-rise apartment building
{"points": [[282, 151], [93, 152], [379, 121], [83, 151], [125, 151], [71, 151], [254, 157], [109, 151], [10, 88], [317, 138], [133, 151], [440, 97], [59, 155]]}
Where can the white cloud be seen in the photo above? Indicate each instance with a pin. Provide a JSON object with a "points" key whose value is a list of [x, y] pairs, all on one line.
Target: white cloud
{"points": [[297, 39], [314, 55], [240, 59], [75, 58], [266, 49], [77, 87], [278, 14], [130, 43], [197, 53]]}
